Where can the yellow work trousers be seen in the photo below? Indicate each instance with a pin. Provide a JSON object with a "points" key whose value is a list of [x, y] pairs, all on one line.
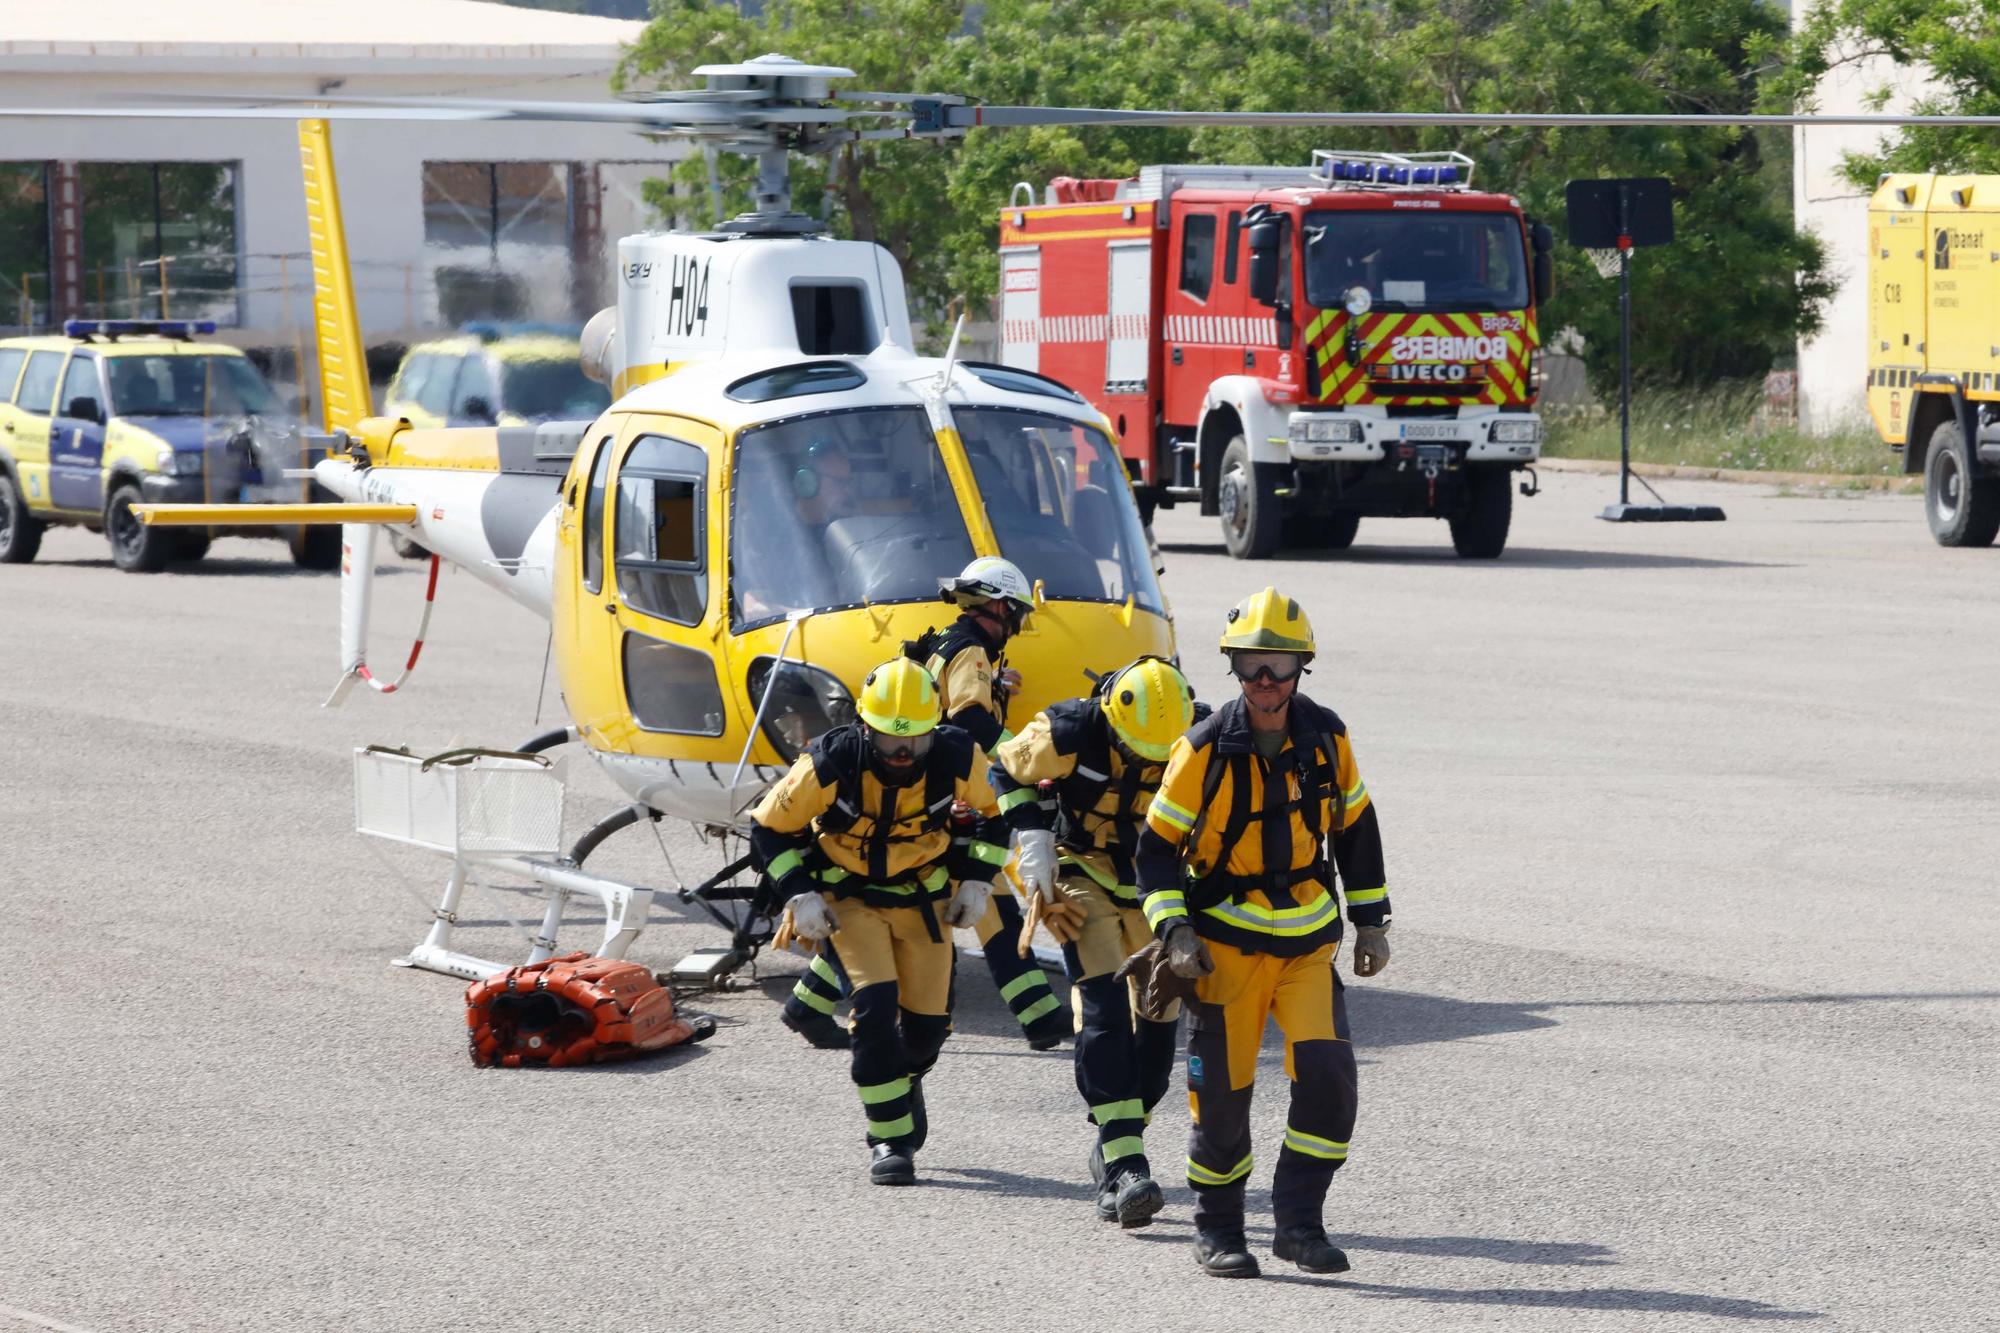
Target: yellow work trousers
{"points": [[901, 981], [1226, 1026]]}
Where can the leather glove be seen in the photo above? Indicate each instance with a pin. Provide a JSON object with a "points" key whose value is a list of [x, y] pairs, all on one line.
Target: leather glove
{"points": [[1371, 950], [1035, 862], [969, 903], [1186, 954], [811, 918]]}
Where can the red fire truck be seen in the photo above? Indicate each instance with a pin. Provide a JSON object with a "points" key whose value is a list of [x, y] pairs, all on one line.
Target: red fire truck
{"points": [[1293, 348]]}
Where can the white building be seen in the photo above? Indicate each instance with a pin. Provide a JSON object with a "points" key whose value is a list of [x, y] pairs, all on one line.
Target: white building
{"points": [[445, 220], [1833, 367]]}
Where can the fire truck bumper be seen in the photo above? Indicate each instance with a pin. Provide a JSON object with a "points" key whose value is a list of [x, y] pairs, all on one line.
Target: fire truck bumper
{"points": [[1339, 437]]}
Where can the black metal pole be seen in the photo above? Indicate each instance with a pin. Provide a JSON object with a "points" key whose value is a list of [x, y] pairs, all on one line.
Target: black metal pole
{"points": [[1624, 375], [1624, 346]]}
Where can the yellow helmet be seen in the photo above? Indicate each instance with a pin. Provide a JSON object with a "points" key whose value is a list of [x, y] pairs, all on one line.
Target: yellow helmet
{"points": [[899, 698], [1149, 706], [1268, 622]]}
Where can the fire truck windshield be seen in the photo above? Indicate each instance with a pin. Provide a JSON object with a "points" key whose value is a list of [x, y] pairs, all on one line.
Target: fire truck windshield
{"points": [[1407, 261]]}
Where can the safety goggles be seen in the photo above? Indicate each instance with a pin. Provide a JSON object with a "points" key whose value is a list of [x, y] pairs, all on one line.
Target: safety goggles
{"points": [[900, 749], [1277, 668]]}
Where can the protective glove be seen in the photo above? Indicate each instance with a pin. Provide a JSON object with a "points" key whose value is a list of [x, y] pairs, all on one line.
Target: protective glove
{"points": [[1035, 862], [1186, 954], [1371, 950], [969, 903], [811, 918]]}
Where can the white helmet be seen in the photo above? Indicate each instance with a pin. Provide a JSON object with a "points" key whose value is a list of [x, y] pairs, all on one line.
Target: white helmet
{"points": [[988, 579]]}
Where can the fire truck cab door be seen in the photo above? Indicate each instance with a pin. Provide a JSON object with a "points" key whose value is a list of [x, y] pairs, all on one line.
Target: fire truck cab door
{"points": [[1021, 308]]}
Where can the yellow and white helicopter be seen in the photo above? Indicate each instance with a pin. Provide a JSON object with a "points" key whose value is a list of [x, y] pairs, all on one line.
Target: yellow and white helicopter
{"points": [[765, 510]]}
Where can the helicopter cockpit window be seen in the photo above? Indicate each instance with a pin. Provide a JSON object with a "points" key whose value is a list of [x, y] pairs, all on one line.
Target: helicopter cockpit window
{"points": [[1057, 495], [657, 537], [1015, 380], [796, 381], [837, 509]]}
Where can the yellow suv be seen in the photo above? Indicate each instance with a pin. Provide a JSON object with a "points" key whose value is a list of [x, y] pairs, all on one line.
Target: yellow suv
{"points": [[495, 374], [113, 413]]}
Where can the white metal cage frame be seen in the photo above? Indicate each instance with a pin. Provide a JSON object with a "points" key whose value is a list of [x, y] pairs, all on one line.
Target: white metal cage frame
{"points": [[497, 812]]}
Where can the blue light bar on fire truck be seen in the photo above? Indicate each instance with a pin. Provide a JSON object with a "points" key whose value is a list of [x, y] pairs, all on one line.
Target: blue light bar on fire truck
{"points": [[137, 328], [1407, 171]]}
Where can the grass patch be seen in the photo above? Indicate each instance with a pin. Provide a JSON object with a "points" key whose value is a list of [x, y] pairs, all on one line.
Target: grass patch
{"points": [[1724, 426]]}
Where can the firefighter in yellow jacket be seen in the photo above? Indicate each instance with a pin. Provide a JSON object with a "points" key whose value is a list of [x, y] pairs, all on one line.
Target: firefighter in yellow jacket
{"points": [[968, 659], [858, 840], [1074, 787], [1233, 863]]}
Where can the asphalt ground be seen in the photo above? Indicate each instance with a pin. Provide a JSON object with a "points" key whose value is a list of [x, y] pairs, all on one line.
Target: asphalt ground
{"points": [[1691, 1021]]}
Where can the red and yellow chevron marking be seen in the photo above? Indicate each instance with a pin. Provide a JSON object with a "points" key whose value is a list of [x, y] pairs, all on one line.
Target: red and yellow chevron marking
{"points": [[1489, 380]]}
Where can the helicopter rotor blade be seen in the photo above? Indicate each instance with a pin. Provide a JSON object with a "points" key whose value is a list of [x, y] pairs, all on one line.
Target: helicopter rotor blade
{"points": [[942, 116]]}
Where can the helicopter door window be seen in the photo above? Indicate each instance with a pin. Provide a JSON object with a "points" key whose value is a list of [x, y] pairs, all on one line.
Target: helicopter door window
{"points": [[658, 533], [670, 687], [593, 519]]}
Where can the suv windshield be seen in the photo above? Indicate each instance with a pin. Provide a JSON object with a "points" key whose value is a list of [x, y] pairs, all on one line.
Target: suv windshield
{"points": [[550, 389], [1433, 261], [840, 508], [187, 386], [1056, 493]]}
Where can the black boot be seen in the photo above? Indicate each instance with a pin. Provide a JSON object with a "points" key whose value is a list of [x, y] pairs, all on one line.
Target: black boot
{"points": [[1308, 1247], [1049, 1031], [920, 1118], [1224, 1254], [892, 1164], [817, 1028], [1130, 1199]]}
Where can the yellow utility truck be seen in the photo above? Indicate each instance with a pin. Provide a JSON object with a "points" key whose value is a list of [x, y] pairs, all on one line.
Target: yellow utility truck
{"points": [[1934, 343]]}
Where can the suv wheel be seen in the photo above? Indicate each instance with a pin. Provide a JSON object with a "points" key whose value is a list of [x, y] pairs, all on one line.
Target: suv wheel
{"points": [[135, 548], [20, 535], [316, 546]]}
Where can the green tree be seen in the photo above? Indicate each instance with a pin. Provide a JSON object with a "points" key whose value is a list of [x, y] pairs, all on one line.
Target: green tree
{"points": [[1737, 288], [1955, 42]]}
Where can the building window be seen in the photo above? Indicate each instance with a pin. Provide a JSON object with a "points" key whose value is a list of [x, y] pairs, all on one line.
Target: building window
{"points": [[160, 240], [24, 245], [497, 240]]}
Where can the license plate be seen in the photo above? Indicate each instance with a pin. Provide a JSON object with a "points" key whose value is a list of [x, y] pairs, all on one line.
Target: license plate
{"points": [[1431, 430]]}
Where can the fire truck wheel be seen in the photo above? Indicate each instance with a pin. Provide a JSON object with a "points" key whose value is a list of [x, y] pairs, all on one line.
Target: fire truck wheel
{"points": [[1962, 506], [1321, 532], [1252, 514], [190, 545], [1486, 507]]}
